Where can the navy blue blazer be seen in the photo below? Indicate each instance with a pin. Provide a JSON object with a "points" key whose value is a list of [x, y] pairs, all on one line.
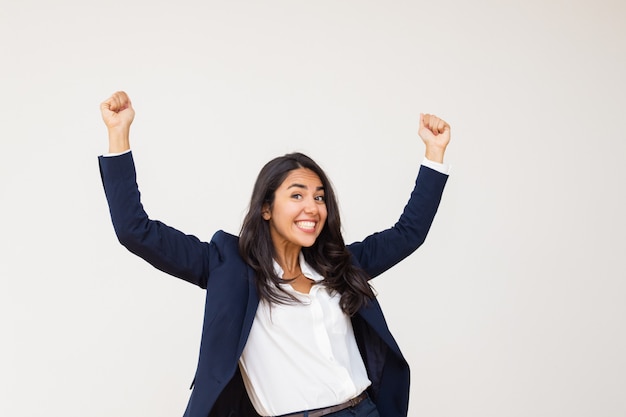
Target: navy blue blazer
{"points": [[232, 300]]}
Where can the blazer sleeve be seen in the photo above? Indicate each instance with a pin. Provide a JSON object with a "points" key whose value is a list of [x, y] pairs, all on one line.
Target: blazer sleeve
{"points": [[164, 247], [382, 250]]}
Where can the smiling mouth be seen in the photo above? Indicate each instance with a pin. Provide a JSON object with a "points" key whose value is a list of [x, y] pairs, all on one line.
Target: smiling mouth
{"points": [[306, 225]]}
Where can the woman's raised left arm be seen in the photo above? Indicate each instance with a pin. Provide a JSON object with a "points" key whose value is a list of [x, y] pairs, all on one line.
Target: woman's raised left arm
{"points": [[380, 251]]}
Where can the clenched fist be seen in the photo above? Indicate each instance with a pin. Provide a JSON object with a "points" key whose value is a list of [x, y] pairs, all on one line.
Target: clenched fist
{"points": [[117, 111], [118, 114], [435, 133]]}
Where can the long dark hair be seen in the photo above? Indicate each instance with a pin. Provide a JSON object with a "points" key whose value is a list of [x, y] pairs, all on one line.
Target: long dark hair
{"points": [[328, 255]]}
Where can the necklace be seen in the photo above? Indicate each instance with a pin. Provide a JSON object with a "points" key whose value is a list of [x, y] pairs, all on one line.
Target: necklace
{"points": [[291, 279]]}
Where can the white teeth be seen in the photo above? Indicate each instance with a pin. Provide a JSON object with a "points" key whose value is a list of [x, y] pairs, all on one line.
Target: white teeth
{"points": [[306, 225]]}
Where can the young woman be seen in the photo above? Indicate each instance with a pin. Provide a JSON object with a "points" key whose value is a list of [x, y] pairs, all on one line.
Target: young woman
{"points": [[291, 325]]}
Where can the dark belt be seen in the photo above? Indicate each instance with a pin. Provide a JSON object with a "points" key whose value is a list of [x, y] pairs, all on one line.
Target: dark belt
{"points": [[332, 409]]}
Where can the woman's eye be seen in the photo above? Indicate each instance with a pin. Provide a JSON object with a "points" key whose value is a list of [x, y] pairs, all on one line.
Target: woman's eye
{"points": [[296, 196], [320, 198]]}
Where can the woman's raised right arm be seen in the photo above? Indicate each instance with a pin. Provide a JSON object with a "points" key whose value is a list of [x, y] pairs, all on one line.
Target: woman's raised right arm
{"points": [[164, 247]]}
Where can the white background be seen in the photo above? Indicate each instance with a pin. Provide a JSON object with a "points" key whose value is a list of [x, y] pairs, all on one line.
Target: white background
{"points": [[515, 306]]}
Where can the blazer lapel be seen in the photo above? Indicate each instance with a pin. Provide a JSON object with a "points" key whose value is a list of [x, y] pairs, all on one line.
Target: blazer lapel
{"points": [[251, 307], [373, 316]]}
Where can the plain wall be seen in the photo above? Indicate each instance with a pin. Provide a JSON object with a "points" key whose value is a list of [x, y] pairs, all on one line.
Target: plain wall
{"points": [[515, 305]]}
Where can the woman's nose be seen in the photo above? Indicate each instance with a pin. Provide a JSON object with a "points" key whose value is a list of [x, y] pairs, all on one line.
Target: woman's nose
{"points": [[311, 206]]}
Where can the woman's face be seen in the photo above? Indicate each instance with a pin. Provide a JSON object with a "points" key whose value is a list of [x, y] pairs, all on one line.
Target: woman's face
{"points": [[298, 214]]}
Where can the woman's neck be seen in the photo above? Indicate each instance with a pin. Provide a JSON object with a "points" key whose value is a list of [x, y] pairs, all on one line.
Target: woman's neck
{"points": [[289, 261]]}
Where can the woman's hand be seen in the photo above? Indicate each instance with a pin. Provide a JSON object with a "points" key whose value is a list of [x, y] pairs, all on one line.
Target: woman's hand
{"points": [[118, 114], [435, 133]]}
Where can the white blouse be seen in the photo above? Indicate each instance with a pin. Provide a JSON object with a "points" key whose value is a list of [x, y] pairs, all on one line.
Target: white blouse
{"points": [[302, 356]]}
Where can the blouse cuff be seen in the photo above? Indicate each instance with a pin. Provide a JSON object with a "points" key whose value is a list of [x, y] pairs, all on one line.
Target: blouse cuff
{"points": [[106, 155], [439, 167]]}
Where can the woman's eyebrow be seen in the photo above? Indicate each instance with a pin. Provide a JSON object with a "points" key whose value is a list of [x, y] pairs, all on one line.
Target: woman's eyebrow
{"points": [[296, 185]]}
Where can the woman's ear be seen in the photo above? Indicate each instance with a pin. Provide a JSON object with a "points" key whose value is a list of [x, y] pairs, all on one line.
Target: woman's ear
{"points": [[265, 212]]}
